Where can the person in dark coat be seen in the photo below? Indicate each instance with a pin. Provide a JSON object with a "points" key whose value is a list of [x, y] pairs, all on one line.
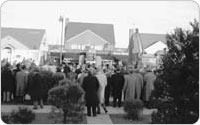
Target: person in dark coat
{"points": [[36, 88], [15, 71], [117, 83], [90, 86], [58, 76], [108, 88], [66, 70], [78, 71], [7, 83]]}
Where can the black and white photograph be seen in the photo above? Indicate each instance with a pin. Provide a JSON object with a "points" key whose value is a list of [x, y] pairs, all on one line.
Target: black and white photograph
{"points": [[99, 62]]}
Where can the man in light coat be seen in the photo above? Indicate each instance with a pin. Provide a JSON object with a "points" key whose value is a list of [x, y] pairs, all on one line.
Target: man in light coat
{"points": [[149, 79], [139, 83], [21, 83], [130, 85], [102, 84]]}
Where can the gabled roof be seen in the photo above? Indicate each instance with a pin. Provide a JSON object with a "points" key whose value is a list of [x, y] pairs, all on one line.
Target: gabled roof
{"points": [[149, 39], [31, 38], [106, 31], [87, 37]]}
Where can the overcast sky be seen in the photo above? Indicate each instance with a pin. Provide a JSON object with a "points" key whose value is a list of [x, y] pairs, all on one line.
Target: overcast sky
{"points": [[149, 17]]}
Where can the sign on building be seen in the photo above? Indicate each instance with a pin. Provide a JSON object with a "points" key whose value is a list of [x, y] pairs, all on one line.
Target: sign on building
{"points": [[98, 61]]}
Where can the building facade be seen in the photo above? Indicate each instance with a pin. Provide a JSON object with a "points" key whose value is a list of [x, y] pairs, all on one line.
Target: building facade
{"points": [[86, 36], [18, 44]]}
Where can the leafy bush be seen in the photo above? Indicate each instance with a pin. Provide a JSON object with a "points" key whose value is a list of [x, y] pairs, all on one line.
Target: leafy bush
{"points": [[23, 115], [133, 109], [69, 98]]}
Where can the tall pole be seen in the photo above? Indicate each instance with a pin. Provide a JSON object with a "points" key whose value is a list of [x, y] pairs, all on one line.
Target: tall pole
{"points": [[62, 21]]}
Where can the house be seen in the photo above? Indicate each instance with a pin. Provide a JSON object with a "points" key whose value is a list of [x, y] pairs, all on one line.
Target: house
{"points": [[146, 46], [23, 43], [90, 39], [84, 36]]}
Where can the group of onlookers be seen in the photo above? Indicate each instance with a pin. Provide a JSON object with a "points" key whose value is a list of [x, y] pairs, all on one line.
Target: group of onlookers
{"points": [[102, 83], [99, 84]]}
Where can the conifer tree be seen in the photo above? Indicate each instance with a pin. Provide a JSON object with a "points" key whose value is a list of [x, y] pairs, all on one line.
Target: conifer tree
{"points": [[176, 94]]}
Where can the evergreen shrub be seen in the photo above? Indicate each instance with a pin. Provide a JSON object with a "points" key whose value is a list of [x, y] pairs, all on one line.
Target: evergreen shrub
{"points": [[68, 97], [133, 108]]}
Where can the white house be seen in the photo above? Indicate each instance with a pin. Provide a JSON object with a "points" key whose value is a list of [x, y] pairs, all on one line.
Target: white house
{"points": [[20, 43], [84, 36], [147, 46], [155, 47]]}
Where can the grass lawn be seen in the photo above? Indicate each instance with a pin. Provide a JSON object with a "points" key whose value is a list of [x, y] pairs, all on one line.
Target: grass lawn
{"points": [[44, 118], [121, 119]]}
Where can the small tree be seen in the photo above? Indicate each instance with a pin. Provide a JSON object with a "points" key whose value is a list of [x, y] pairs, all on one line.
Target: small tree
{"points": [[176, 94], [69, 98]]}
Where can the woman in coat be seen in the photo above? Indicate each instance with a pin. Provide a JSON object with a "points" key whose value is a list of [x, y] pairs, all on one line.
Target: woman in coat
{"points": [[90, 86], [102, 84], [36, 88]]}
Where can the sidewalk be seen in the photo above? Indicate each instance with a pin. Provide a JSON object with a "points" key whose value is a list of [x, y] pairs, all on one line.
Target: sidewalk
{"points": [[100, 119]]}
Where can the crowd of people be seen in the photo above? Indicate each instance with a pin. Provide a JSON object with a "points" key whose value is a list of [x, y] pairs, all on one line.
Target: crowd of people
{"points": [[101, 84]]}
